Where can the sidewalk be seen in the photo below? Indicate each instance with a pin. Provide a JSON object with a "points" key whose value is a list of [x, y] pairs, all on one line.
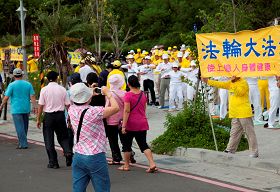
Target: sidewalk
{"points": [[261, 173]]}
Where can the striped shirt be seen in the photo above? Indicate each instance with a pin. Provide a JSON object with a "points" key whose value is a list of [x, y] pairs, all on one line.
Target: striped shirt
{"points": [[92, 136]]}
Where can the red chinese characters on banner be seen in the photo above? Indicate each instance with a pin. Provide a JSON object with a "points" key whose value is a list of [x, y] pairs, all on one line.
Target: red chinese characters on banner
{"points": [[36, 45], [250, 67]]}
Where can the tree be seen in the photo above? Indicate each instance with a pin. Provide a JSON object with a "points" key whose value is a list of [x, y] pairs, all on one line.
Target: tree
{"points": [[94, 14], [57, 29]]}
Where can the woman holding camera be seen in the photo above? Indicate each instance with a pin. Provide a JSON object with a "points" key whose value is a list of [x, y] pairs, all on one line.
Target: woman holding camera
{"points": [[89, 162]]}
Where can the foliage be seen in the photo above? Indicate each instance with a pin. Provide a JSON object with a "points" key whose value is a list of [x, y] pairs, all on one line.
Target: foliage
{"points": [[34, 79], [191, 128], [222, 21], [151, 21]]}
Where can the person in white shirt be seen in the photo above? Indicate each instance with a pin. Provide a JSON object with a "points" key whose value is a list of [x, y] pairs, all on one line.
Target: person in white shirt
{"points": [[147, 76], [164, 68], [175, 88], [192, 76], [84, 70], [255, 98], [131, 66], [274, 97], [223, 94]]}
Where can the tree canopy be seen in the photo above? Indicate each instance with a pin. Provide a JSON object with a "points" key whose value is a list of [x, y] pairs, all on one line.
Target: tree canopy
{"points": [[124, 24]]}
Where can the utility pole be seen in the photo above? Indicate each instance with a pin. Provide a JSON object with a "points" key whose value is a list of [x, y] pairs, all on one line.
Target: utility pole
{"points": [[22, 18]]}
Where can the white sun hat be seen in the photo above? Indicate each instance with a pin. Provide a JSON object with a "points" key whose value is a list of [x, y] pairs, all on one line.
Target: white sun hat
{"points": [[165, 56], [130, 56], [175, 64], [80, 93], [179, 54]]}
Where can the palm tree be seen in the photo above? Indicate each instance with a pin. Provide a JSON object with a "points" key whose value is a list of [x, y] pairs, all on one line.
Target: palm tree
{"points": [[56, 30]]}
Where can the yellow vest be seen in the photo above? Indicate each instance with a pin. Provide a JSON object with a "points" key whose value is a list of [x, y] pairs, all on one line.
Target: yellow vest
{"points": [[138, 58], [32, 66], [76, 70], [239, 103], [174, 55], [185, 63], [113, 72]]}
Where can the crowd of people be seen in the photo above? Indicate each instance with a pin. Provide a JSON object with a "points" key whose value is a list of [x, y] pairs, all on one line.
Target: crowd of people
{"points": [[111, 104]]}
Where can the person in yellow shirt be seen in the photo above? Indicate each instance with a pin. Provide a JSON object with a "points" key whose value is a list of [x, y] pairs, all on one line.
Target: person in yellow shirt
{"points": [[264, 92], [241, 113], [174, 53], [31, 64], [81, 64], [186, 61], [116, 70], [91, 61], [19, 65], [138, 57]]}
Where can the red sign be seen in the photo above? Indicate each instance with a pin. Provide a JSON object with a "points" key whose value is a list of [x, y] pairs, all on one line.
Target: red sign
{"points": [[36, 45]]}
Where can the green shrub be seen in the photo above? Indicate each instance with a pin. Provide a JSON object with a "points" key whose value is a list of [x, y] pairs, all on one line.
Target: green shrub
{"points": [[34, 79], [191, 128]]}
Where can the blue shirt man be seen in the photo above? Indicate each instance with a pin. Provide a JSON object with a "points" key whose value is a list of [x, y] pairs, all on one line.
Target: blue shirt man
{"points": [[20, 92]]}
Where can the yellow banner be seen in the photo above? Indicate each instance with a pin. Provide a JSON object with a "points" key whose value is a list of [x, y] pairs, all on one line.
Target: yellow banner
{"points": [[243, 54], [74, 57], [16, 53]]}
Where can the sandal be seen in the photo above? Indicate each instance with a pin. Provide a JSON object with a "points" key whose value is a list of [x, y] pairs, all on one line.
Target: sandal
{"points": [[123, 168], [114, 162], [152, 170]]}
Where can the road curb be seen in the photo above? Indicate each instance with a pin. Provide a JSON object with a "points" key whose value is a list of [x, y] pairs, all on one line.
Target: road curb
{"points": [[215, 157]]}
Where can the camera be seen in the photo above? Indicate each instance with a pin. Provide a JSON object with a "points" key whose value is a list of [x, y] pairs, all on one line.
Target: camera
{"points": [[98, 90]]}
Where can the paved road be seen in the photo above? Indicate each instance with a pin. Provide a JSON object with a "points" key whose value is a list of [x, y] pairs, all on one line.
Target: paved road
{"points": [[25, 171]]}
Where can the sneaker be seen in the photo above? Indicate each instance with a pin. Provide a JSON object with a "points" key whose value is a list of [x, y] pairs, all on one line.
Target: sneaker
{"points": [[227, 151], [156, 103], [272, 127], [68, 158], [151, 103], [19, 147], [254, 155], [53, 166], [265, 125], [258, 122], [265, 116]]}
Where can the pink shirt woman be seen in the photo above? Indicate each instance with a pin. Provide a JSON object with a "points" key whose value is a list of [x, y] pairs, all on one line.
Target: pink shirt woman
{"points": [[137, 120], [116, 82]]}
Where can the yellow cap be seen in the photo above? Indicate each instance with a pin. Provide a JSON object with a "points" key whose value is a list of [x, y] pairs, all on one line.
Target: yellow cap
{"points": [[174, 47], [138, 50], [146, 53], [169, 48], [117, 63], [30, 56]]}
